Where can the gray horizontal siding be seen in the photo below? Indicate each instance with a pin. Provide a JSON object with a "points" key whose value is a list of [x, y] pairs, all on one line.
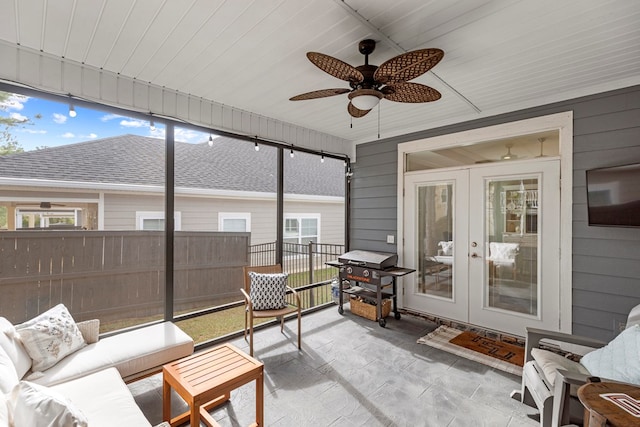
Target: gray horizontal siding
{"points": [[606, 267]]}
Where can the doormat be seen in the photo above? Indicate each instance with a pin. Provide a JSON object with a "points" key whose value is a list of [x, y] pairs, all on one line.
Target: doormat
{"points": [[496, 354]]}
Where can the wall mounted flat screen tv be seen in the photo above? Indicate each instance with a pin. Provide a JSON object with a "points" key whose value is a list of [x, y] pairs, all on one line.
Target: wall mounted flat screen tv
{"points": [[613, 196]]}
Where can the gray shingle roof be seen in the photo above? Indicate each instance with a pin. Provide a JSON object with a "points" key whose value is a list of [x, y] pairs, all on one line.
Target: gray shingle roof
{"points": [[230, 164]]}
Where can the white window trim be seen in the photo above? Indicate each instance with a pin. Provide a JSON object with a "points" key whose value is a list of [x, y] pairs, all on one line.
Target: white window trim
{"points": [[142, 215], [300, 216], [234, 215]]}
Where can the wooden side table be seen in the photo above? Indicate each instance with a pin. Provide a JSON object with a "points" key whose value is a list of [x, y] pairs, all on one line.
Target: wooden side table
{"points": [[601, 411], [205, 380]]}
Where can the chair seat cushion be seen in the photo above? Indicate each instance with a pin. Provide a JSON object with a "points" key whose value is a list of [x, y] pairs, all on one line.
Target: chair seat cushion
{"points": [[619, 359], [268, 291], [549, 362]]}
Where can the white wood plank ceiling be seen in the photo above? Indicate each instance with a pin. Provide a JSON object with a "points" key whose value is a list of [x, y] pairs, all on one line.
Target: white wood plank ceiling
{"points": [[500, 55]]}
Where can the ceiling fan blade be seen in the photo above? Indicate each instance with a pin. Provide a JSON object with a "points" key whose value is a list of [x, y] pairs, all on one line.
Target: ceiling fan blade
{"points": [[410, 92], [335, 67], [355, 112], [322, 93], [408, 66]]}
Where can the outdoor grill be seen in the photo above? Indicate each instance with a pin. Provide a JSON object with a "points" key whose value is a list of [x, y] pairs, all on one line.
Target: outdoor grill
{"points": [[374, 274]]}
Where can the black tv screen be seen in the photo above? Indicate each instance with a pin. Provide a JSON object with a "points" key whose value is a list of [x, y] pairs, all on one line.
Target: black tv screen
{"points": [[613, 196]]}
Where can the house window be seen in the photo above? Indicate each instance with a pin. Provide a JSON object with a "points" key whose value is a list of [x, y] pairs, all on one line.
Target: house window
{"points": [[301, 228], [234, 222], [155, 221]]}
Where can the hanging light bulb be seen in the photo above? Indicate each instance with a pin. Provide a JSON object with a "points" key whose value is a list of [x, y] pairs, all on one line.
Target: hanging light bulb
{"points": [[210, 141], [257, 147], [322, 158], [72, 111], [291, 154], [152, 125]]}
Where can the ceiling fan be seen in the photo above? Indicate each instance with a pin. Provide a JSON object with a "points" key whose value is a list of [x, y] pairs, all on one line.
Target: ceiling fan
{"points": [[369, 83]]}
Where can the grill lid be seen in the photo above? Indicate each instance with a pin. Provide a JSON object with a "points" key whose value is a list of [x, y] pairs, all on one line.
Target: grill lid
{"points": [[376, 260]]}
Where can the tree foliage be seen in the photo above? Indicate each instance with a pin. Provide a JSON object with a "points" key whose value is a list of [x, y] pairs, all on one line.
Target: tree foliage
{"points": [[9, 144]]}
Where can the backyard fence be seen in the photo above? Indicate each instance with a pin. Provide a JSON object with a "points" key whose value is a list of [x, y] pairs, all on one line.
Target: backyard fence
{"points": [[119, 276], [114, 275]]}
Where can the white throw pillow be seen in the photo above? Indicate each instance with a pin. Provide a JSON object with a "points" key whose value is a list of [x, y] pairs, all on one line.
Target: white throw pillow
{"points": [[268, 291], [13, 347], [8, 375], [34, 405], [447, 248], [619, 360], [503, 251], [50, 337]]}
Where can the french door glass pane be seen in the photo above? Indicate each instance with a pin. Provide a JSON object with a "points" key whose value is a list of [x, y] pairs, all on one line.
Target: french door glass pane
{"points": [[511, 282], [435, 239]]}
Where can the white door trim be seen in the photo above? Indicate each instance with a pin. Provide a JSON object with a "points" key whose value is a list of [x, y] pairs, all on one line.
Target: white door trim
{"points": [[561, 122]]}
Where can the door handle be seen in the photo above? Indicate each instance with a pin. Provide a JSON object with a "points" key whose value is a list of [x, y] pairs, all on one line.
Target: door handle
{"points": [[475, 255]]}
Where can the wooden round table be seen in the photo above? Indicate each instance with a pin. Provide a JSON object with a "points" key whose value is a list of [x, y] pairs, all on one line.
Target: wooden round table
{"points": [[600, 410]]}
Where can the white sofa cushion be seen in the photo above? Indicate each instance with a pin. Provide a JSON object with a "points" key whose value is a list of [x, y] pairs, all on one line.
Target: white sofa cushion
{"points": [[132, 353], [619, 360], [34, 405], [13, 347], [104, 399], [8, 375], [4, 410], [50, 336]]}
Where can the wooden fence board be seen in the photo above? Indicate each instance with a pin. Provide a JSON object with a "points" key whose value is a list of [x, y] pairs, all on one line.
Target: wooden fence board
{"points": [[113, 275]]}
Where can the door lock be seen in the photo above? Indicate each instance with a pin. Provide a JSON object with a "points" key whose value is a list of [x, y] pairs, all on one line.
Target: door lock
{"points": [[474, 244]]}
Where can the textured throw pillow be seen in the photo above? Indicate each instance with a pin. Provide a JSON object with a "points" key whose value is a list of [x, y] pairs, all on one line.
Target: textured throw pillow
{"points": [[90, 330], [619, 359], [50, 337], [34, 405], [447, 248], [268, 291], [13, 347], [506, 251]]}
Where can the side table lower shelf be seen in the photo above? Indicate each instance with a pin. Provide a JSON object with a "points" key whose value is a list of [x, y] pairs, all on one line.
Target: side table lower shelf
{"points": [[372, 296]]}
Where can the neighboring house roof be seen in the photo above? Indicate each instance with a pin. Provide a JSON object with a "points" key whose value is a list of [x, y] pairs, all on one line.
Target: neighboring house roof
{"points": [[230, 164]]}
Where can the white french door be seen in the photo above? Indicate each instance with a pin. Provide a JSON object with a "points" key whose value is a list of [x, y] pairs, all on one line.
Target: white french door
{"points": [[485, 243]]}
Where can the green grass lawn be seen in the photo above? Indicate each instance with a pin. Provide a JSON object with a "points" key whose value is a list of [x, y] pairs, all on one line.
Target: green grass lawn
{"points": [[209, 326]]}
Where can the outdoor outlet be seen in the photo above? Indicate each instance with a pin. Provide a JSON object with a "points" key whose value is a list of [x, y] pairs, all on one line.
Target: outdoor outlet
{"points": [[621, 326], [391, 239]]}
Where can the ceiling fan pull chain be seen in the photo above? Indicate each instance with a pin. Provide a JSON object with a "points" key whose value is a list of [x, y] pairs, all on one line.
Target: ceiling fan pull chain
{"points": [[378, 121], [351, 126]]}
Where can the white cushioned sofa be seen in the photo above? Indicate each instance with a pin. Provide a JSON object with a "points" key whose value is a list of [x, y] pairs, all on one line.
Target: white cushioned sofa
{"points": [[89, 383]]}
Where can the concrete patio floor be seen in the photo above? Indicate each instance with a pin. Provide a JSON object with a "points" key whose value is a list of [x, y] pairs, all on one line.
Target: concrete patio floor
{"points": [[352, 372]]}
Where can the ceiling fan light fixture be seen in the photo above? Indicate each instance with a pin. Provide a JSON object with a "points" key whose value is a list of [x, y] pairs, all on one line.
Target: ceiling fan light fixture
{"points": [[509, 155], [365, 99]]}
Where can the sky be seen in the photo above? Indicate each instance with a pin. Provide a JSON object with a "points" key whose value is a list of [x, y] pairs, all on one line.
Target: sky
{"points": [[56, 127]]}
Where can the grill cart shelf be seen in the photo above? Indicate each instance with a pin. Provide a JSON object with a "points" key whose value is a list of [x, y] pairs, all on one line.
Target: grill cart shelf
{"points": [[375, 275]]}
